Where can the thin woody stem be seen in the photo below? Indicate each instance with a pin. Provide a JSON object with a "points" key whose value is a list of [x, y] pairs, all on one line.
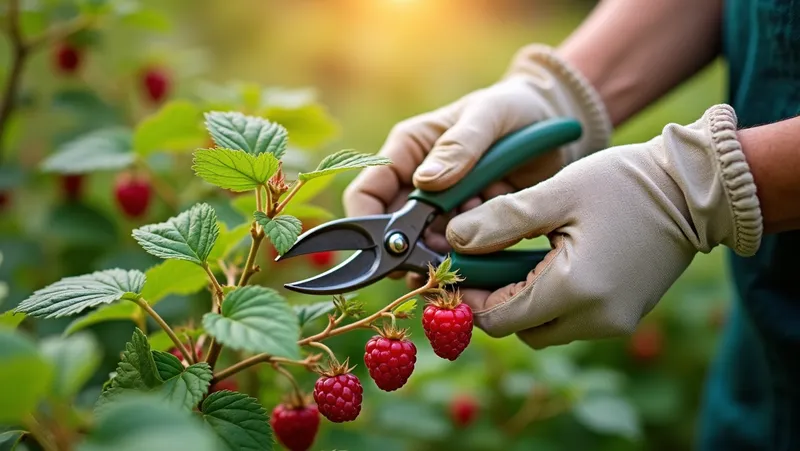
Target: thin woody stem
{"points": [[249, 266], [288, 375], [171, 333], [368, 320], [218, 293], [319, 345], [295, 188], [261, 358]]}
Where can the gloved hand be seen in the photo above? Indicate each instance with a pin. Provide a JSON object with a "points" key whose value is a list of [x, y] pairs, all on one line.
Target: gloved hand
{"points": [[434, 150], [624, 223]]}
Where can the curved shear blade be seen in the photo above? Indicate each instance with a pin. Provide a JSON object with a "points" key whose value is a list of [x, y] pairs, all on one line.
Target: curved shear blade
{"points": [[361, 269], [342, 234]]}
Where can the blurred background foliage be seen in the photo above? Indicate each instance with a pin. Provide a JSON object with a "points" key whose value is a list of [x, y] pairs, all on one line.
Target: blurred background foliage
{"points": [[338, 74]]}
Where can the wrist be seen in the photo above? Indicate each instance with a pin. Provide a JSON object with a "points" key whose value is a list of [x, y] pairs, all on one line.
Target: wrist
{"points": [[568, 91]]}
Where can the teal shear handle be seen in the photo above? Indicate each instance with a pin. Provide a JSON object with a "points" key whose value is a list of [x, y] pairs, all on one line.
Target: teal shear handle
{"points": [[496, 270]]}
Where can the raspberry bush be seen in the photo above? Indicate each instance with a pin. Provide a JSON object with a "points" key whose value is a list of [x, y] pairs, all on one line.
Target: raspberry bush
{"points": [[100, 138]]}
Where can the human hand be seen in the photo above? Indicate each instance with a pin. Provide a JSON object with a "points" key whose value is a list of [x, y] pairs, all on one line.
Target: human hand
{"points": [[434, 150], [624, 224]]}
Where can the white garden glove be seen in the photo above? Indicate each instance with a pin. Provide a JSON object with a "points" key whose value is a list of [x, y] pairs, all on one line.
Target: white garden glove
{"points": [[624, 224], [436, 149]]}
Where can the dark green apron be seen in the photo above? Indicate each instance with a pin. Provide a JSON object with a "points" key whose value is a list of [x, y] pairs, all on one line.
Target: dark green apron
{"points": [[752, 399]]}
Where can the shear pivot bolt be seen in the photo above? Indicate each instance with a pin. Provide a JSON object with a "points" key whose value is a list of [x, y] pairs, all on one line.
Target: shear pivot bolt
{"points": [[397, 243]]}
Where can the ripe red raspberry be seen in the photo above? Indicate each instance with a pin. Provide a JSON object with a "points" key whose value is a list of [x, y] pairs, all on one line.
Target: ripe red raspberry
{"points": [[156, 83], [67, 58], [133, 194], [463, 410], [197, 350], [448, 325], [225, 384], [295, 426], [390, 359], [321, 259], [338, 393], [5, 198], [72, 184], [646, 343]]}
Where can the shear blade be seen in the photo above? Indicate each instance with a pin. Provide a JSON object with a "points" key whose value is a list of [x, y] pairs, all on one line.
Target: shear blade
{"points": [[352, 274], [338, 235]]}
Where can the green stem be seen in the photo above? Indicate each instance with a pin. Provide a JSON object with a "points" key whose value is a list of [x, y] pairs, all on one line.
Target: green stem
{"points": [[255, 360], [171, 333], [250, 264], [39, 432], [297, 391], [289, 196], [319, 345], [218, 293]]}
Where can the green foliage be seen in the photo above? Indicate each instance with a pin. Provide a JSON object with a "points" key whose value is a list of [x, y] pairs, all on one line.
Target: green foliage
{"points": [[609, 415], [25, 378], [139, 422], [189, 236], [173, 277], [101, 150], [235, 170], [282, 230], [183, 387], [256, 319], [406, 308], [72, 295], [239, 421], [250, 134], [307, 313], [144, 370], [177, 126], [344, 160], [75, 360], [113, 312]]}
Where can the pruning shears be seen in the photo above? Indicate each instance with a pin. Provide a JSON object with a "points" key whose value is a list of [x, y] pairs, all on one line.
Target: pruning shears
{"points": [[389, 242]]}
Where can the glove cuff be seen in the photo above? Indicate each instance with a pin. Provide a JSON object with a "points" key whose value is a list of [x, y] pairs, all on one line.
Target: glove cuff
{"points": [[736, 178], [585, 101]]}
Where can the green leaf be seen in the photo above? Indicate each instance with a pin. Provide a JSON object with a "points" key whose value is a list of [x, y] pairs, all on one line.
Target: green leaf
{"points": [[309, 312], [282, 230], [228, 240], [136, 371], [113, 312], [344, 160], [79, 224], [245, 204], [444, 275], [189, 236], [309, 125], [183, 387], [608, 415], [173, 277], [251, 134], [239, 421], [75, 360], [72, 295], [11, 319], [311, 189], [307, 211], [256, 319], [177, 126], [160, 341], [145, 422], [234, 170], [101, 150], [147, 19], [168, 365], [406, 308], [10, 439], [25, 377]]}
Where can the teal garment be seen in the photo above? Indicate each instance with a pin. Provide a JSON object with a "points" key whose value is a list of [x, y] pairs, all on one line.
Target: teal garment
{"points": [[752, 398]]}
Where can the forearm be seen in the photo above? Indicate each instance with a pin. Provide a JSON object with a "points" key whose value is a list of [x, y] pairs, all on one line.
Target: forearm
{"points": [[772, 154], [634, 51]]}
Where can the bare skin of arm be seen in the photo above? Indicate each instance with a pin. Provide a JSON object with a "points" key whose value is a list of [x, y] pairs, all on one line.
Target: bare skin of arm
{"points": [[635, 51], [772, 154]]}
